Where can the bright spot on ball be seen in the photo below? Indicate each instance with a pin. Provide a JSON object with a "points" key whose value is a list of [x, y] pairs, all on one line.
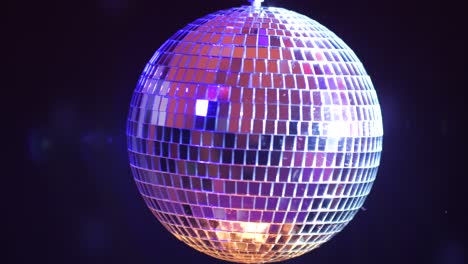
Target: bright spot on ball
{"points": [[201, 107]]}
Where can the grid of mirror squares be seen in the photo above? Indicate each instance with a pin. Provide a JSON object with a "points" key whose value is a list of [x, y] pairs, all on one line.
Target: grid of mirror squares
{"points": [[254, 135]]}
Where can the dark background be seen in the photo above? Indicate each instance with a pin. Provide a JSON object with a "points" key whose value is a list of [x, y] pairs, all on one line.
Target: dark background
{"points": [[68, 194]]}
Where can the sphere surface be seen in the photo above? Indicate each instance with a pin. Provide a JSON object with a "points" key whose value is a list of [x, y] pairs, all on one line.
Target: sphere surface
{"points": [[254, 135]]}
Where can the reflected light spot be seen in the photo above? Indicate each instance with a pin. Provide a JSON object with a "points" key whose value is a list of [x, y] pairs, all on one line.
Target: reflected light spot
{"points": [[201, 107]]}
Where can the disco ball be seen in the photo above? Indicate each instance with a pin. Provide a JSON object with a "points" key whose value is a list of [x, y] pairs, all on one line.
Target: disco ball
{"points": [[254, 134]]}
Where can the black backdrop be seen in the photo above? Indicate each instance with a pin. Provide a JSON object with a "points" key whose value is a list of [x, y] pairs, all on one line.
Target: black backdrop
{"points": [[68, 192]]}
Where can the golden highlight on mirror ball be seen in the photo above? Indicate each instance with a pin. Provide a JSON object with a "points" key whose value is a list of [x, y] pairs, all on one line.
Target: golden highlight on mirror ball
{"points": [[254, 134]]}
